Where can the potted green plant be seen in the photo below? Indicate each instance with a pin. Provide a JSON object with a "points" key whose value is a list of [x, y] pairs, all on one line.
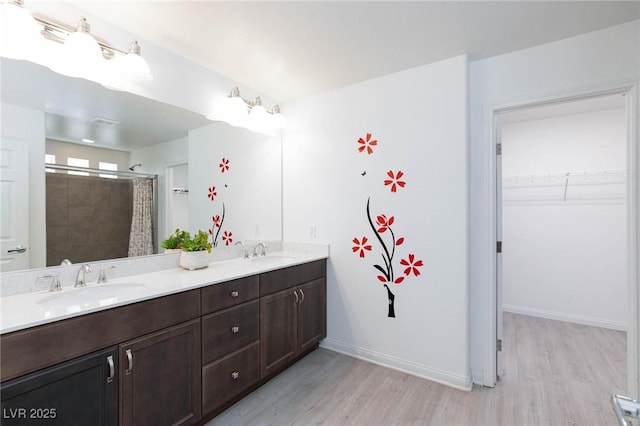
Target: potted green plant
{"points": [[173, 243], [195, 251]]}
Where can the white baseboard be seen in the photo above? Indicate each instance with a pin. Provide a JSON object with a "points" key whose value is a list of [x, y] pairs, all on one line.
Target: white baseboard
{"points": [[563, 316], [433, 374]]}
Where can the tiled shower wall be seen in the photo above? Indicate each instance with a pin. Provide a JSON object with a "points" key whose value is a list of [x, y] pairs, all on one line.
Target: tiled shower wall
{"points": [[88, 218]]}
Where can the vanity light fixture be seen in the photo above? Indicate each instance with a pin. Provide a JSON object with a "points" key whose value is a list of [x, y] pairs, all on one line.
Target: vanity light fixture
{"points": [[251, 115], [67, 50]]}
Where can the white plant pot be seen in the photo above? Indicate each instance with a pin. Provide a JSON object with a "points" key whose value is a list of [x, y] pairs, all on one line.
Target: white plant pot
{"points": [[172, 250], [194, 259]]}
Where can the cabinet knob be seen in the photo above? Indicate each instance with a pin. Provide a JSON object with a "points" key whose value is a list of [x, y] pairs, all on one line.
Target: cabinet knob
{"points": [[235, 375], [235, 329], [234, 293]]}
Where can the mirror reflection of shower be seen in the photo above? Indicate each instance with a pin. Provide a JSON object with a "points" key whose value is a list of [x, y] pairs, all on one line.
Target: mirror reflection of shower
{"points": [[90, 204]]}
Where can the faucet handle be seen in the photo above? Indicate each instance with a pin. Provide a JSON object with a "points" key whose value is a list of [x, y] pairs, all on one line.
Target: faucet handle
{"points": [[55, 282], [102, 274]]}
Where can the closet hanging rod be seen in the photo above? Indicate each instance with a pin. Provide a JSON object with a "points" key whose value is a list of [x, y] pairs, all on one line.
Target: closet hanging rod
{"points": [[575, 173], [598, 177], [99, 171]]}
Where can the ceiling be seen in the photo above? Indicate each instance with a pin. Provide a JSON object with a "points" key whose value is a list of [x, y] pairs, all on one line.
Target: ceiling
{"points": [[287, 50]]}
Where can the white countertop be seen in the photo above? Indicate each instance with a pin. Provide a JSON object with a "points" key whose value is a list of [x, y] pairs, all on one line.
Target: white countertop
{"points": [[28, 310]]}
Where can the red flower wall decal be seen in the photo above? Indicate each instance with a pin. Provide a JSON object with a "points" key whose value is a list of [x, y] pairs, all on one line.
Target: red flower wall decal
{"points": [[412, 265], [366, 144], [216, 220], [361, 246], [227, 237], [384, 223], [395, 180], [388, 243], [212, 193], [224, 165]]}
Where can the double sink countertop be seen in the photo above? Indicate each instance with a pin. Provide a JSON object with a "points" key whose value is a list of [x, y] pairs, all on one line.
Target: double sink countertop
{"points": [[26, 310]]}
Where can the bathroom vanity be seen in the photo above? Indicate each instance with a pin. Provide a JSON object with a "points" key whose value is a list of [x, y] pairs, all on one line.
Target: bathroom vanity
{"points": [[177, 358]]}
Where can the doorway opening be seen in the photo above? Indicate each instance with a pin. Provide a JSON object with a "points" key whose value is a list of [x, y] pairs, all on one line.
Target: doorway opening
{"points": [[563, 218]]}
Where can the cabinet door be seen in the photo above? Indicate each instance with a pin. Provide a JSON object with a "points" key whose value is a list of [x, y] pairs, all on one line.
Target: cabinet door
{"points": [[278, 331], [82, 391], [160, 377], [312, 314]]}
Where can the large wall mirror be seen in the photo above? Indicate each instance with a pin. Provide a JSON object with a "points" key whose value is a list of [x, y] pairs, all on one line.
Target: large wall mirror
{"points": [[205, 169]]}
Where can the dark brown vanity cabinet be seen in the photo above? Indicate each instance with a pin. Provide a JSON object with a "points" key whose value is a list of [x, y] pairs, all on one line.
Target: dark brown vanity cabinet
{"points": [[292, 314], [83, 391], [230, 341], [178, 359], [160, 377]]}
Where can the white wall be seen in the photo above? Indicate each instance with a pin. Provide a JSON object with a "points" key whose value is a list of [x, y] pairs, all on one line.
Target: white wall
{"points": [[28, 125], [250, 189], [565, 256], [63, 150], [419, 119], [593, 62]]}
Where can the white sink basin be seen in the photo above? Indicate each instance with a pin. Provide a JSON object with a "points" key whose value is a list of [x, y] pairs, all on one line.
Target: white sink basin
{"points": [[91, 295], [272, 259]]}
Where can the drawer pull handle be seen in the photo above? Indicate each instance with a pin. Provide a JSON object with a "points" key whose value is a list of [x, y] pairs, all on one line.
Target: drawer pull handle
{"points": [[302, 293], [295, 293], [235, 375], [234, 293], [112, 369], [235, 329], [130, 361]]}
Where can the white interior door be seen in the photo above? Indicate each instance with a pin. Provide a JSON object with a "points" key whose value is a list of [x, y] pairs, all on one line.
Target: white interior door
{"points": [[499, 331], [14, 205]]}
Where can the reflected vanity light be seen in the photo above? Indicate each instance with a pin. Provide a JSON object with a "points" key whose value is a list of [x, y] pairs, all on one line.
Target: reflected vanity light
{"points": [[252, 115], [67, 50]]}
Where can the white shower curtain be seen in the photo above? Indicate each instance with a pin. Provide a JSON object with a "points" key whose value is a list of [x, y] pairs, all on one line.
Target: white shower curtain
{"points": [[141, 237]]}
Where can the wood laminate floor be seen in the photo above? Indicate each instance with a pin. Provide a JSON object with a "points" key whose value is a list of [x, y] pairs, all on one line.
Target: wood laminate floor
{"points": [[556, 373]]}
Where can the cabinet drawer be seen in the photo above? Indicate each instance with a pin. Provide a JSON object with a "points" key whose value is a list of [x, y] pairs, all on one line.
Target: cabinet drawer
{"points": [[231, 293], [229, 330], [280, 279], [226, 378]]}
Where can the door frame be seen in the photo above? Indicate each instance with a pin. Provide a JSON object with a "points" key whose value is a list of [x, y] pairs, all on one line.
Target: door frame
{"points": [[633, 184]]}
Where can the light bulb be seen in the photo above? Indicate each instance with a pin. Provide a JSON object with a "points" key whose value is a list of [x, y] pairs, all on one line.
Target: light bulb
{"points": [[132, 66], [81, 55], [20, 36]]}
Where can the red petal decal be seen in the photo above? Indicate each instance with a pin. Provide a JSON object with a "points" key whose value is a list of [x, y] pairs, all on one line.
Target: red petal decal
{"points": [[399, 280], [400, 241], [381, 278]]}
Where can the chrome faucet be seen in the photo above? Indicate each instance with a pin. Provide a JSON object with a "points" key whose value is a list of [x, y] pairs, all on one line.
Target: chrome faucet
{"points": [[243, 250], [80, 280], [102, 274], [55, 282], [255, 250]]}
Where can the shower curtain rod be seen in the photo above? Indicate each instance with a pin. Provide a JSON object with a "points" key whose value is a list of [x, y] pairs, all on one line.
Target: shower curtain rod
{"points": [[99, 171]]}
